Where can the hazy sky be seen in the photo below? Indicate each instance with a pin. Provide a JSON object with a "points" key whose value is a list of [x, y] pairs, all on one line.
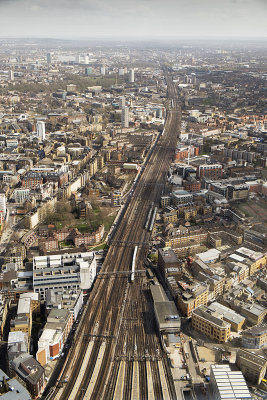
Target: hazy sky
{"points": [[135, 18]]}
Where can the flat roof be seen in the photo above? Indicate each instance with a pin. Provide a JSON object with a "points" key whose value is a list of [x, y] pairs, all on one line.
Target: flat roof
{"points": [[168, 256], [32, 295], [24, 306], [208, 255], [158, 293], [236, 257], [226, 312], [256, 330], [58, 313], [254, 308], [230, 384], [167, 315], [47, 335], [205, 313], [248, 356], [16, 337], [252, 255]]}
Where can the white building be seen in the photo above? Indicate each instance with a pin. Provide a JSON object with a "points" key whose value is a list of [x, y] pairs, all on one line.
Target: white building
{"points": [[78, 59], [20, 195], [103, 70], [11, 75], [121, 102], [40, 128], [63, 271], [132, 75], [125, 117], [227, 384], [3, 208]]}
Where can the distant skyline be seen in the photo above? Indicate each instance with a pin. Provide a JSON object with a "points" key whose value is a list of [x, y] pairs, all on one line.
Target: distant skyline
{"points": [[138, 19]]}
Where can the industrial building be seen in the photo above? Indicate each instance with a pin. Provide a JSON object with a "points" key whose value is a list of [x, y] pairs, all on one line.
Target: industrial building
{"points": [[227, 384]]}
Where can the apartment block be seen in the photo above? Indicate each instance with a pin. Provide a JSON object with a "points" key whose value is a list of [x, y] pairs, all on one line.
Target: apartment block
{"points": [[32, 180], [181, 197], [211, 171]]}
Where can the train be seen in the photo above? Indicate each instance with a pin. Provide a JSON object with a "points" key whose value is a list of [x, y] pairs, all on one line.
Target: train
{"points": [[149, 216], [153, 219], [133, 264]]}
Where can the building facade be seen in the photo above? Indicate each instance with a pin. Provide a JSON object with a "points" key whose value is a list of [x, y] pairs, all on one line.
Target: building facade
{"points": [[211, 324]]}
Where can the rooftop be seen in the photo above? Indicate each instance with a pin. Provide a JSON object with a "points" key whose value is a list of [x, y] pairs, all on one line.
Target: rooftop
{"points": [[168, 256], [28, 368], [249, 356], [158, 293], [15, 390], [256, 330], [226, 312], [167, 315], [254, 308], [211, 316], [231, 385]]}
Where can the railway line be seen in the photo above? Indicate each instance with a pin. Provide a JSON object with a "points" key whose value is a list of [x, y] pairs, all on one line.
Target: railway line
{"points": [[116, 353]]}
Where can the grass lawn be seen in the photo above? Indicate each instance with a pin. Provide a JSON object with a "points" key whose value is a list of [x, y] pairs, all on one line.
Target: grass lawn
{"points": [[102, 246], [83, 226], [65, 244], [108, 222]]}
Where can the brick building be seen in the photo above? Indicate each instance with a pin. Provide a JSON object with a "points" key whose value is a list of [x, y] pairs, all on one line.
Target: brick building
{"points": [[211, 171], [32, 180]]}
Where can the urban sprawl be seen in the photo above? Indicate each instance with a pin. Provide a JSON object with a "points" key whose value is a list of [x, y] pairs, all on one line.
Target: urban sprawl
{"points": [[133, 216]]}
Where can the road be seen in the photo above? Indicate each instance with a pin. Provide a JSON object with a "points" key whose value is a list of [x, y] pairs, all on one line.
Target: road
{"points": [[9, 229], [118, 335]]}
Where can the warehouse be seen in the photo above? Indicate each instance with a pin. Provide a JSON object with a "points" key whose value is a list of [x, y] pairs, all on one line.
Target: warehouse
{"points": [[227, 384]]}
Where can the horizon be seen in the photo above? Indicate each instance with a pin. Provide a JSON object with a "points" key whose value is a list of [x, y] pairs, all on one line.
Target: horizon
{"points": [[145, 19]]}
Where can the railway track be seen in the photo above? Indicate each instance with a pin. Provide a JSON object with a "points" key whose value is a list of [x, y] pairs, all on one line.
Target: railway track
{"points": [[117, 337]]}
